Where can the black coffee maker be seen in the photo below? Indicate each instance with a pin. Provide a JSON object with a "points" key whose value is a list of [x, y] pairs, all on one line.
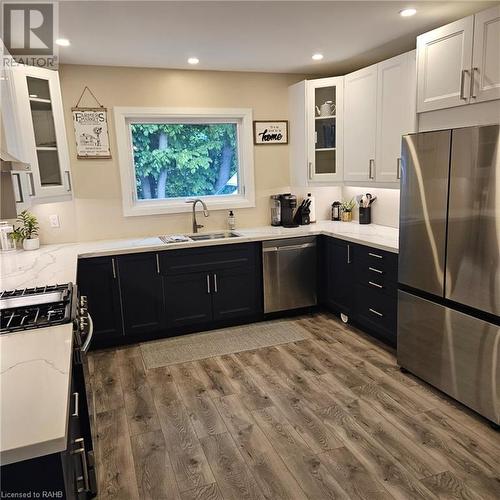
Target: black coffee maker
{"points": [[288, 205]]}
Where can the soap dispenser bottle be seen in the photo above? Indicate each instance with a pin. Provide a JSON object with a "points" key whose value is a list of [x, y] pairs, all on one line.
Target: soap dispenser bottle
{"points": [[231, 220]]}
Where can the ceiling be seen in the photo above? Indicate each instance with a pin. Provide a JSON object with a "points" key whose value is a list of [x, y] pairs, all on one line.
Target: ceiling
{"points": [[271, 36]]}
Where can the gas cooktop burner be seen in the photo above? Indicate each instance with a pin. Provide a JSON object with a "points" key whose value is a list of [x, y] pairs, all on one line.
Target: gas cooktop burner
{"points": [[35, 307]]}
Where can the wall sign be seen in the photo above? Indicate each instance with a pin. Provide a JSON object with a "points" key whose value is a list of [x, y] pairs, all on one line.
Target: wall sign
{"points": [[270, 132], [91, 130]]}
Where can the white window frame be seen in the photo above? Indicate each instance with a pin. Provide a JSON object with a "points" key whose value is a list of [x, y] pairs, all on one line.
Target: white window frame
{"points": [[246, 185]]}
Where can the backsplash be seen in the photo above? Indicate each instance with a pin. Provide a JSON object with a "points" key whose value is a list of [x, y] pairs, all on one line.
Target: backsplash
{"points": [[385, 210]]}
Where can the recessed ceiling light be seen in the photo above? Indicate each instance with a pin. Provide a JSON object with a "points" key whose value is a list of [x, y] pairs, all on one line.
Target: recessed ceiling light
{"points": [[193, 60], [63, 42], [317, 57], [407, 12]]}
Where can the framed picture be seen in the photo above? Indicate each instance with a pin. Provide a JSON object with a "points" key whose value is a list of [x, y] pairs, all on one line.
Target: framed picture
{"points": [[91, 132], [270, 132]]}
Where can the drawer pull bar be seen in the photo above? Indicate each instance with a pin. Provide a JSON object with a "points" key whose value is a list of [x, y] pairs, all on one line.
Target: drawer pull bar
{"points": [[375, 255], [77, 404], [375, 284], [376, 313], [376, 270], [208, 283]]}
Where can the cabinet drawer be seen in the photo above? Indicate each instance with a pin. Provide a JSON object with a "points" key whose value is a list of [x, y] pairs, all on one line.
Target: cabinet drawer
{"points": [[194, 260], [376, 277], [377, 308], [386, 262]]}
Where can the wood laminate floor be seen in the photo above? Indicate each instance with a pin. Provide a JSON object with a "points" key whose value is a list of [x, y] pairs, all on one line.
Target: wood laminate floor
{"points": [[326, 418]]}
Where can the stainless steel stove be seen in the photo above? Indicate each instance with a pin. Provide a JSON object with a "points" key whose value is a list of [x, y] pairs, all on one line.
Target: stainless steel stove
{"points": [[38, 307]]}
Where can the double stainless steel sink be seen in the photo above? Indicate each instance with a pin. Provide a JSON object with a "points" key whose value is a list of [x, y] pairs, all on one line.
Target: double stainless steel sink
{"points": [[220, 235]]}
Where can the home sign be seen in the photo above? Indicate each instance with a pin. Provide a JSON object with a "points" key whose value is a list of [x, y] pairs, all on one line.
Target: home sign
{"points": [[270, 132]]}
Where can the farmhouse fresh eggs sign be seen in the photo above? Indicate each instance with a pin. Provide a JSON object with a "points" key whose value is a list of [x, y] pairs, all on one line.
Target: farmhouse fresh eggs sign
{"points": [[91, 132], [270, 132]]}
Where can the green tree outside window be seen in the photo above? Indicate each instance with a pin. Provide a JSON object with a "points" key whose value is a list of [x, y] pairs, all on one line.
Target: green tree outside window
{"points": [[174, 160]]}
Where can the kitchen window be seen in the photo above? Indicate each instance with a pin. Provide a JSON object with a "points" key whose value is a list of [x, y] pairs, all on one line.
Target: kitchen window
{"points": [[169, 156]]}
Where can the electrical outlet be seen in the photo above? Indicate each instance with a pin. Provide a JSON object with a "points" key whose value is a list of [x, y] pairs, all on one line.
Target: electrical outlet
{"points": [[54, 220]]}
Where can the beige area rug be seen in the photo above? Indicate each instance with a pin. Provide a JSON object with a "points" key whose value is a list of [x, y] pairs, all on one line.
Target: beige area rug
{"points": [[219, 342]]}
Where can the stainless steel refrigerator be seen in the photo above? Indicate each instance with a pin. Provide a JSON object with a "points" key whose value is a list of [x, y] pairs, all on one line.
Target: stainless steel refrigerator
{"points": [[449, 264]]}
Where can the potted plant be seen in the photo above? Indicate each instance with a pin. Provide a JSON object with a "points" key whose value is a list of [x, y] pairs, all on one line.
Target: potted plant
{"points": [[28, 231], [347, 207]]}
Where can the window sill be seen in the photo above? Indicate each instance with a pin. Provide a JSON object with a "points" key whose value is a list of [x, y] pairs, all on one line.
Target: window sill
{"points": [[159, 207]]}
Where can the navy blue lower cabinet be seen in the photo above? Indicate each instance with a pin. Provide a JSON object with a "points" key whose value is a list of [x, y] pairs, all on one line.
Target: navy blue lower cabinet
{"points": [[361, 282], [154, 294], [340, 272], [141, 290], [236, 293], [188, 299], [98, 280]]}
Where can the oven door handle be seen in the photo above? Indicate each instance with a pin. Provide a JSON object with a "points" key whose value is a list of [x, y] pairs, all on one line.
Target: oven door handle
{"points": [[86, 344]]}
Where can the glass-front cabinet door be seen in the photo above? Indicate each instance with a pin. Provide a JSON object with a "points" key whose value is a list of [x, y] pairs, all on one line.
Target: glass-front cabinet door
{"points": [[42, 119], [324, 114]]}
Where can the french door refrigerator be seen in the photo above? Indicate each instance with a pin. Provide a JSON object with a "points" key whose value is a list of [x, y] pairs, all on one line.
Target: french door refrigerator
{"points": [[449, 264]]}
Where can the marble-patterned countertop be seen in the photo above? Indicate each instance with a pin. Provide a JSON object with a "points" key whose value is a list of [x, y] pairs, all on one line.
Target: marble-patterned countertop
{"points": [[35, 380], [35, 364], [57, 263]]}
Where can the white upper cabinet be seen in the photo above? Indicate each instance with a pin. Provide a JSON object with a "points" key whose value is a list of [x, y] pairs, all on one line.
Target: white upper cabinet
{"points": [[443, 66], [316, 125], [360, 121], [486, 56], [379, 109], [41, 118], [459, 63], [11, 144], [396, 113]]}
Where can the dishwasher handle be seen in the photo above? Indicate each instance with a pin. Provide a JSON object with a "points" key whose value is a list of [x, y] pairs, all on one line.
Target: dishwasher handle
{"points": [[288, 247]]}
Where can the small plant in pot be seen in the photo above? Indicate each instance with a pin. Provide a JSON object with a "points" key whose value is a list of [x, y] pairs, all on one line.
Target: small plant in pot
{"points": [[347, 207], [28, 230]]}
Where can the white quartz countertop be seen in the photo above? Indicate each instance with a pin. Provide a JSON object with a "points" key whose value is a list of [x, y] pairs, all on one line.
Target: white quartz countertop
{"points": [[58, 263], [35, 364], [35, 369]]}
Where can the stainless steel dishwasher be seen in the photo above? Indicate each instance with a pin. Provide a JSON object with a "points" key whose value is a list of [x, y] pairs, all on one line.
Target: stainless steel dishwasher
{"points": [[289, 267]]}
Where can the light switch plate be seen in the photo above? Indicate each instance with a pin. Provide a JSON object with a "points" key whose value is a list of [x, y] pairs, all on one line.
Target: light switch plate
{"points": [[54, 220]]}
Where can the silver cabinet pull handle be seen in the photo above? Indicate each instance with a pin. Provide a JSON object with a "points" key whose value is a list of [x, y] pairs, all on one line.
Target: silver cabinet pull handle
{"points": [[376, 313], [215, 284], [398, 168], [68, 178], [371, 164], [348, 254], [18, 188], [157, 264], [310, 170], [375, 284], [472, 83], [81, 451], [376, 270], [113, 267], [32, 184], [375, 255], [462, 84], [76, 396], [208, 283]]}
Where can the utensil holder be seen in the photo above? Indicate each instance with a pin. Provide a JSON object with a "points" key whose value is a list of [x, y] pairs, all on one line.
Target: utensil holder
{"points": [[365, 215]]}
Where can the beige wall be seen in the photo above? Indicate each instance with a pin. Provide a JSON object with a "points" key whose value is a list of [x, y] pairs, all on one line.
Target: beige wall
{"points": [[96, 212]]}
